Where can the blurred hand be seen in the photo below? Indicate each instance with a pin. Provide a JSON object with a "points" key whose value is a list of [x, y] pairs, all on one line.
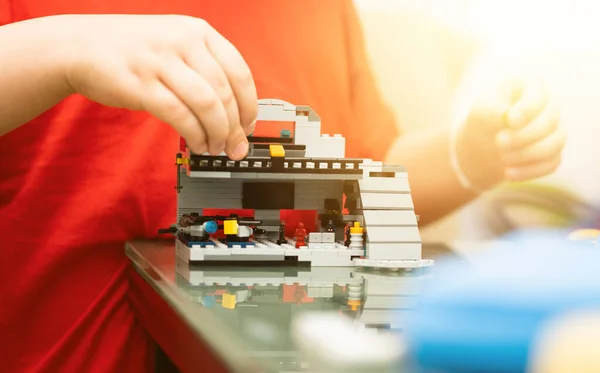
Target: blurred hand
{"points": [[177, 68], [511, 134]]}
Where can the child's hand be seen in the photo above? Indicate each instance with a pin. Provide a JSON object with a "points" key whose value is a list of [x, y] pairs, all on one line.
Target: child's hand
{"points": [[512, 134], [178, 68]]}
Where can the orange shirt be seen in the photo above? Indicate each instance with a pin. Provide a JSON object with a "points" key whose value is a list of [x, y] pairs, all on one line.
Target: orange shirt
{"points": [[81, 179]]}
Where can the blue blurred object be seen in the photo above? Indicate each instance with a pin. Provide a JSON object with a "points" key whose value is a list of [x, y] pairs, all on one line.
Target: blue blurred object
{"points": [[482, 316], [209, 301]]}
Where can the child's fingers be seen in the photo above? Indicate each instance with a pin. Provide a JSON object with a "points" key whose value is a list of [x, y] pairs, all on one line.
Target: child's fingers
{"points": [[540, 127], [532, 101], [532, 171], [159, 100], [202, 99], [205, 64], [548, 147], [238, 74]]}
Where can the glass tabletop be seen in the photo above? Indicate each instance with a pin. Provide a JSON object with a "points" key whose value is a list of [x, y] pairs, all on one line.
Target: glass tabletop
{"points": [[257, 315]]}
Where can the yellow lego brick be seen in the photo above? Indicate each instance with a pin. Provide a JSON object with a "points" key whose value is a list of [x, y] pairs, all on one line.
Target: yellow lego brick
{"points": [[356, 228], [230, 227], [228, 301], [277, 150], [585, 235], [183, 161]]}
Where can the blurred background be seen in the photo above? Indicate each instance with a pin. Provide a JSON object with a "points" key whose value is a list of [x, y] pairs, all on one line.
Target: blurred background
{"points": [[423, 52]]}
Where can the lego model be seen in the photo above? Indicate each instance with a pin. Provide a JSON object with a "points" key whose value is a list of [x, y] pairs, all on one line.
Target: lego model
{"points": [[369, 202]]}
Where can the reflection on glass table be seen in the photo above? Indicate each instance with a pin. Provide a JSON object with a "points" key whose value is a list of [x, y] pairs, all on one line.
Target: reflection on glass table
{"points": [[262, 303], [257, 315]]}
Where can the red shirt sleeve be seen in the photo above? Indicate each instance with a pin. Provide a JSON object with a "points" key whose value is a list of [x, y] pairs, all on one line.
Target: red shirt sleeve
{"points": [[5, 12], [374, 129]]}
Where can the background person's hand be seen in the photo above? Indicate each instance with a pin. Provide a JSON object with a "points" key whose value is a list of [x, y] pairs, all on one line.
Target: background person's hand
{"points": [[177, 68], [511, 134]]}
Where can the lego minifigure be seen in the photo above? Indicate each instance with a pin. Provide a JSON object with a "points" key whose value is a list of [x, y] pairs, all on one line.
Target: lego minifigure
{"points": [[347, 233], [330, 226], [300, 235], [281, 239]]}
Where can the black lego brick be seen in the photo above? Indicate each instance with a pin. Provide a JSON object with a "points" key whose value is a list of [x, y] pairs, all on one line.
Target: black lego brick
{"points": [[268, 196], [271, 140], [273, 165], [382, 174]]}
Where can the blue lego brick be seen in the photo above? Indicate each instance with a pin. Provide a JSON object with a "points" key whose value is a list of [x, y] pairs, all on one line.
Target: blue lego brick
{"points": [[485, 315], [242, 244], [200, 243]]}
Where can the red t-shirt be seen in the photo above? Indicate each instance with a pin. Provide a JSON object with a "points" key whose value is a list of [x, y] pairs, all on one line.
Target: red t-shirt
{"points": [[81, 179]]}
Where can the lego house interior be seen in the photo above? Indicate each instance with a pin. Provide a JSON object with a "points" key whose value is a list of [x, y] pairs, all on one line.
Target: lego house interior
{"points": [[295, 199]]}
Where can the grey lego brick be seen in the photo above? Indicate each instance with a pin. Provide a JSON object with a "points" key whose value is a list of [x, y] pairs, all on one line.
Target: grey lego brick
{"points": [[393, 234], [389, 218], [386, 201], [242, 258], [384, 185]]}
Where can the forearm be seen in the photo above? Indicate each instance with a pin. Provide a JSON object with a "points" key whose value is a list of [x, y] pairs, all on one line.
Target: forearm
{"points": [[435, 188], [32, 65]]}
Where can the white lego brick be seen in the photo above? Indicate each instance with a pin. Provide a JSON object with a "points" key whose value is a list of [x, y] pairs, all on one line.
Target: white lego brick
{"points": [[380, 284], [305, 255], [393, 234], [241, 295], [323, 246], [369, 166], [389, 218], [291, 252], [329, 258], [394, 251], [327, 147], [315, 237], [389, 302], [326, 292], [357, 252], [307, 134], [384, 184], [210, 174], [313, 291], [275, 113], [386, 201], [328, 237], [257, 251], [272, 101], [394, 264], [216, 251], [196, 254], [182, 251]]}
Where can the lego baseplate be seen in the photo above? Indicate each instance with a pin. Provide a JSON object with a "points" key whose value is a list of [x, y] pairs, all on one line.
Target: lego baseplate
{"points": [[334, 255]]}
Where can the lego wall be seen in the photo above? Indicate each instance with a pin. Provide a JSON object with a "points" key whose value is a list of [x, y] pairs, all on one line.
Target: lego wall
{"points": [[421, 66]]}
